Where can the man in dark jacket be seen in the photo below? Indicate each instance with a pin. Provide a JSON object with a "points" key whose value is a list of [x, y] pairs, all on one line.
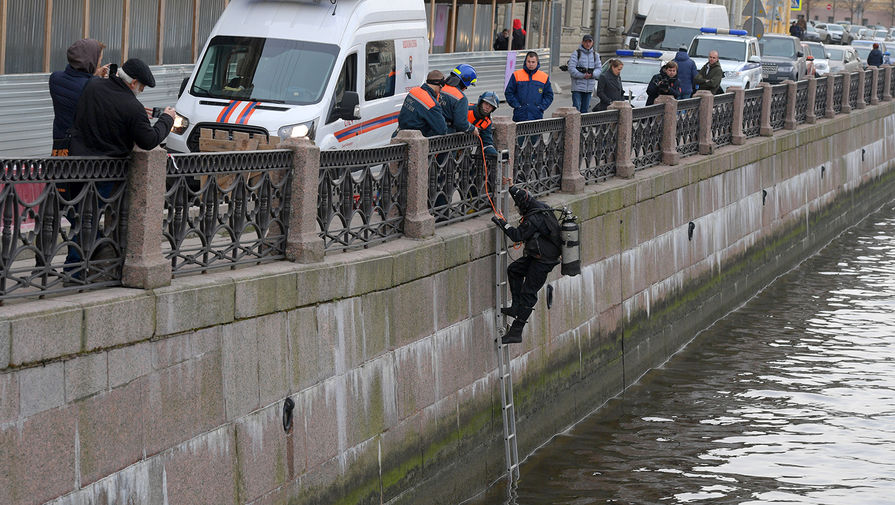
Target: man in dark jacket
{"points": [[710, 75], [686, 72], [529, 92], [421, 110], [66, 86], [663, 83], [875, 58], [479, 115], [110, 120], [609, 85], [502, 42], [539, 230]]}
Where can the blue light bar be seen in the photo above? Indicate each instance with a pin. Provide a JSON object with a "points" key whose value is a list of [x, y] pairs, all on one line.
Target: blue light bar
{"points": [[723, 31], [638, 54], [624, 52]]}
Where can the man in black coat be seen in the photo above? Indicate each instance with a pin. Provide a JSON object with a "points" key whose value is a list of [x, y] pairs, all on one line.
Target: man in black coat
{"points": [[875, 58], [539, 230], [110, 120]]}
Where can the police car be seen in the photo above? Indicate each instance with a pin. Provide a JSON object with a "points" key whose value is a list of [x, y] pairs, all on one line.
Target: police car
{"points": [[738, 54], [640, 67]]}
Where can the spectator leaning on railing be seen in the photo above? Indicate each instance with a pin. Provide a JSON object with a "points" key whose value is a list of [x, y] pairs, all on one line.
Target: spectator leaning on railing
{"points": [[66, 86], [710, 75], [686, 72], [421, 110]]}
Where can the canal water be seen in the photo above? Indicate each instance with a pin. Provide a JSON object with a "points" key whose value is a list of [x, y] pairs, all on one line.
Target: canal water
{"points": [[790, 399]]}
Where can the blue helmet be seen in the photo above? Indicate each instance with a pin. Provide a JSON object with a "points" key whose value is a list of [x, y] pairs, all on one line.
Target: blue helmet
{"points": [[490, 97], [466, 74]]}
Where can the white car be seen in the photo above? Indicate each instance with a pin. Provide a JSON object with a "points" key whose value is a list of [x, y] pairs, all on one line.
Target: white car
{"points": [[817, 55], [738, 54]]}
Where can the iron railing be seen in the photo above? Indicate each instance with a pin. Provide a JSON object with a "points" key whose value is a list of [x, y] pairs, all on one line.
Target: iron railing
{"points": [[722, 119], [599, 141], [892, 86], [688, 126], [362, 196], [752, 112], [838, 85], [779, 94], [456, 178], [801, 101], [880, 84], [820, 96], [64, 224], [853, 90], [868, 86], [226, 209], [646, 136], [539, 154]]}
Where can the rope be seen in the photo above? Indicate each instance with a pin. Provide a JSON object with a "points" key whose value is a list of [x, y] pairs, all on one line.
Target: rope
{"points": [[516, 245]]}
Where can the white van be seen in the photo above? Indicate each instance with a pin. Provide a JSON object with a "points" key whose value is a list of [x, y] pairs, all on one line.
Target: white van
{"points": [[334, 71], [670, 25]]}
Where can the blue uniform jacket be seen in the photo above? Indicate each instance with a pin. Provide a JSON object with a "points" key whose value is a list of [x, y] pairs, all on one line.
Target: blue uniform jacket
{"points": [[686, 72], [529, 94], [454, 106], [422, 112], [66, 87]]}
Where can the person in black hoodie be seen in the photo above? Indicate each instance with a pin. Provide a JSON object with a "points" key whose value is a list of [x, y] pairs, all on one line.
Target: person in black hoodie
{"points": [[539, 230], [518, 35], [66, 86], [609, 85], [663, 83]]}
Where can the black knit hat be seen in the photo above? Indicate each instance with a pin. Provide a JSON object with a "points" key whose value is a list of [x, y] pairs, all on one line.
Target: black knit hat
{"points": [[135, 68]]}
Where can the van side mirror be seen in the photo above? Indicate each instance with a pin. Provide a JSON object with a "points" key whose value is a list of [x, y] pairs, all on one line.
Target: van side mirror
{"points": [[182, 86], [755, 59], [799, 54], [349, 107]]}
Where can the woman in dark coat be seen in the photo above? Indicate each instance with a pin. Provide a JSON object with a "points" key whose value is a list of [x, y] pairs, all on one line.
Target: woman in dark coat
{"points": [[609, 85], [663, 83]]}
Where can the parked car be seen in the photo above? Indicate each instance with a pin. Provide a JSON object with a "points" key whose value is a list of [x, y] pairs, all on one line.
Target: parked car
{"points": [[821, 29], [811, 34], [816, 55], [781, 58], [855, 31], [843, 58], [881, 35], [863, 48], [837, 34], [865, 34]]}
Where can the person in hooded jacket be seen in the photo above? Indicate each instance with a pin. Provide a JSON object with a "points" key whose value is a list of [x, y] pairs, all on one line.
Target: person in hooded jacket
{"points": [[609, 85], [584, 68], [529, 92], [875, 58], [539, 230], [518, 35], [501, 43], [686, 72], [663, 83], [66, 86]]}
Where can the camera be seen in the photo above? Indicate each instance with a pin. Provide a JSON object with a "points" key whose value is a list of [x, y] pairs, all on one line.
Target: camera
{"points": [[584, 70], [157, 111]]}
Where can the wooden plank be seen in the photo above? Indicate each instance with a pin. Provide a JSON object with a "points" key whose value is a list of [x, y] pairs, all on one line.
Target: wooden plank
{"points": [[196, 6], [48, 34], [3, 15], [475, 11], [85, 28], [125, 29]]}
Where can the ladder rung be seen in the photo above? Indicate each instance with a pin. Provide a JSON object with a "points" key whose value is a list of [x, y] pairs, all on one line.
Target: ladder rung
{"points": [[508, 406], [511, 436]]}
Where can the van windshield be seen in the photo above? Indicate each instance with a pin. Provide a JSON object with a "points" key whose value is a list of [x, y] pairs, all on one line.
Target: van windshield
{"points": [[668, 38], [265, 70], [727, 49]]}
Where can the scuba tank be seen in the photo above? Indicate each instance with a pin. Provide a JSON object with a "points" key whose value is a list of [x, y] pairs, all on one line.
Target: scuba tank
{"points": [[568, 232]]}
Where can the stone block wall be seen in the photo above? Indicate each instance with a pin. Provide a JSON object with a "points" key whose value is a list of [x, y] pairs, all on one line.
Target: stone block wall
{"points": [[175, 395]]}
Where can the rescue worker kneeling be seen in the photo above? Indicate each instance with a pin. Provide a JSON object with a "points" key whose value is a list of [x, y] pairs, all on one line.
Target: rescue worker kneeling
{"points": [[479, 116], [539, 229]]}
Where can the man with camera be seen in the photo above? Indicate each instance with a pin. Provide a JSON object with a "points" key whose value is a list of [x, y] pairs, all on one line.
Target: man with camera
{"points": [[584, 67], [110, 120]]}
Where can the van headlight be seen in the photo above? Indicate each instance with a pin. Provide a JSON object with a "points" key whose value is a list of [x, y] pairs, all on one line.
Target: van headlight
{"points": [[181, 123], [294, 131]]}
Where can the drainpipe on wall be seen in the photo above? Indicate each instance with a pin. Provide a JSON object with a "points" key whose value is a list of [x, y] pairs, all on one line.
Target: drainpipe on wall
{"points": [[598, 22]]}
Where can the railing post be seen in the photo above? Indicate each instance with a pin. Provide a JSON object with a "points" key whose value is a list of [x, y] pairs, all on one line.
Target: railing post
{"points": [[572, 180], [505, 140], [874, 88], [144, 265], [887, 83], [789, 120], [829, 112], [418, 222], [670, 156], [303, 244], [706, 146], [765, 129], [846, 92], [624, 167], [737, 137], [810, 118], [862, 80]]}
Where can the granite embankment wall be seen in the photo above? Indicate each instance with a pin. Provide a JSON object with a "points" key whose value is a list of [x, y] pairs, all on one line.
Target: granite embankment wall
{"points": [[175, 395]]}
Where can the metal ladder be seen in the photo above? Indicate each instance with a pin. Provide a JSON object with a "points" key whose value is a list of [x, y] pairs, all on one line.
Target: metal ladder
{"points": [[508, 408]]}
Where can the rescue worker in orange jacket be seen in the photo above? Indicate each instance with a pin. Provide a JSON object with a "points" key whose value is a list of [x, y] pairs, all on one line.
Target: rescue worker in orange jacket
{"points": [[421, 110], [480, 117], [454, 103], [529, 92]]}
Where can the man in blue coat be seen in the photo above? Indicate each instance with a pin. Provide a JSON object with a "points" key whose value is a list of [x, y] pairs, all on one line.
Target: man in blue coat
{"points": [[529, 92], [686, 72], [66, 86]]}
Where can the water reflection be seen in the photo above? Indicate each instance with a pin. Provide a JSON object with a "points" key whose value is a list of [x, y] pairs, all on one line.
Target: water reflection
{"points": [[788, 400]]}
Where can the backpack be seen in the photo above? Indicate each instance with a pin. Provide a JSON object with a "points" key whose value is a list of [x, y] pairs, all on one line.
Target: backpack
{"points": [[565, 68]]}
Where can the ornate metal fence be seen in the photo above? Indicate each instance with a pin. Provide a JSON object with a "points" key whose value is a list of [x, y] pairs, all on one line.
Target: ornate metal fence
{"points": [[70, 235], [853, 90], [538, 156], [688, 126], [752, 112], [646, 136], [868, 85], [778, 106], [801, 101], [722, 119], [362, 196], [820, 96], [880, 84], [837, 92], [599, 141], [226, 209], [892, 86], [457, 177]]}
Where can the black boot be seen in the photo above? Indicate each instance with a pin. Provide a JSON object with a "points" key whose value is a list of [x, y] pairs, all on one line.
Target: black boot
{"points": [[514, 335]]}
